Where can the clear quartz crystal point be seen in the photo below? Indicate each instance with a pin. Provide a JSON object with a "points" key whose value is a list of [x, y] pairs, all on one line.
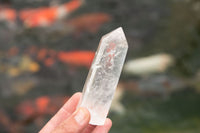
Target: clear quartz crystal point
{"points": [[104, 75]]}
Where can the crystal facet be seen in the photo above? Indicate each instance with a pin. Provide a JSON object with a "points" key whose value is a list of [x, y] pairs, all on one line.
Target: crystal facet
{"points": [[104, 75]]}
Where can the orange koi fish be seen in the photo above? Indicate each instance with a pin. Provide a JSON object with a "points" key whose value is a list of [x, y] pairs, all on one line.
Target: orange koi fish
{"points": [[42, 105], [77, 58], [45, 16], [89, 22], [7, 14], [49, 57], [34, 111]]}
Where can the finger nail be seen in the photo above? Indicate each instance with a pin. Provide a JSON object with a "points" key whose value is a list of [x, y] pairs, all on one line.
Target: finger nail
{"points": [[81, 116]]}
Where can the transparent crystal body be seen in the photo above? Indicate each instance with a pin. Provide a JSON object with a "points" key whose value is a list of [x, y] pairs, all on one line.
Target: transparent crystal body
{"points": [[104, 75]]}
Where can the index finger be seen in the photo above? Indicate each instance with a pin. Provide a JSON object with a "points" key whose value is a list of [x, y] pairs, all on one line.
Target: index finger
{"points": [[68, 108]]}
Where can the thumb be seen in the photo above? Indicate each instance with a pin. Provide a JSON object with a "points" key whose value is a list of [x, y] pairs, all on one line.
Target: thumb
{"points": [[75, 123]]}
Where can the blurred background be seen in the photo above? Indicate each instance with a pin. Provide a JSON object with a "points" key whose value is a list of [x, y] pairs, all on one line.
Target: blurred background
{"points": [[46, 49]]}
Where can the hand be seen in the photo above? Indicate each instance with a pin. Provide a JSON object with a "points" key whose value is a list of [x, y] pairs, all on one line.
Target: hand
{"points": [[70, 120]]}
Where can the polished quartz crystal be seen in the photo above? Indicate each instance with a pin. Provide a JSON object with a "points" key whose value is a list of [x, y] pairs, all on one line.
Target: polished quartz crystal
{"points": [[104, 75]]}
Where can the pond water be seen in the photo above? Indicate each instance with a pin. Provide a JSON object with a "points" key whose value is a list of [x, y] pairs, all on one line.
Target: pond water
{"points": [[32, 68]]}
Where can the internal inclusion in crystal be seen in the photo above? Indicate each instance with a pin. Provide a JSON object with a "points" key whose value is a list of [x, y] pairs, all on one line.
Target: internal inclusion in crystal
{"points": [[104, 75]]}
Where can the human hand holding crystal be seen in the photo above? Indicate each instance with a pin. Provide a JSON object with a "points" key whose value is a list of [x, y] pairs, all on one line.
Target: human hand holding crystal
{"points": [[71, 120]]}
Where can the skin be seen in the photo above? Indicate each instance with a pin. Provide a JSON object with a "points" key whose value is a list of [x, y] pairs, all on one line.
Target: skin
{"points": [[69, 119]]}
